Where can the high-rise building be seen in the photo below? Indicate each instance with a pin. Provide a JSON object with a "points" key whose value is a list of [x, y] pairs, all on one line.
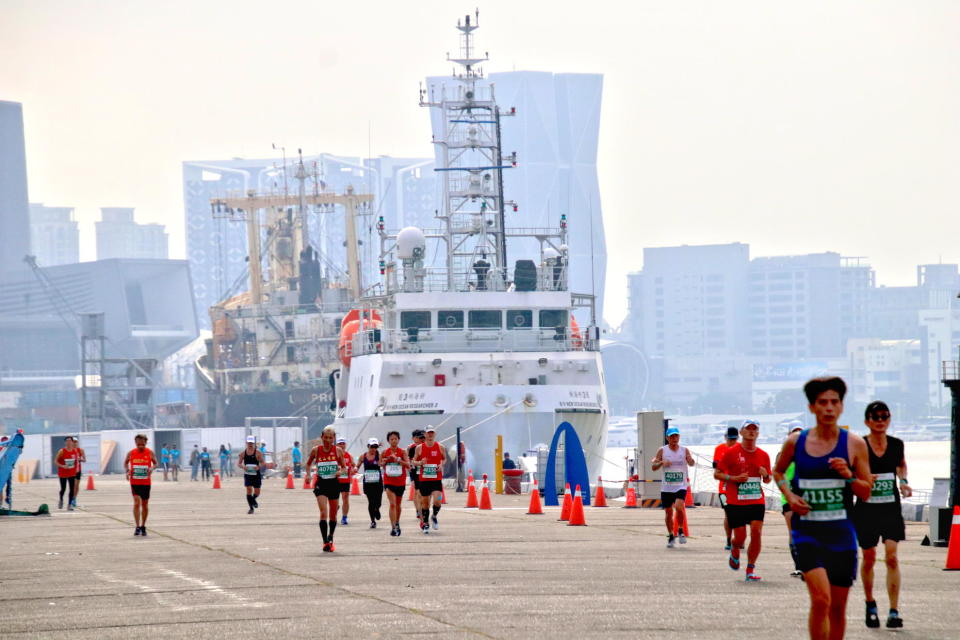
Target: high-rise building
{"points": [[555, 131], [14, 212], [54, 235], [119, 236]]}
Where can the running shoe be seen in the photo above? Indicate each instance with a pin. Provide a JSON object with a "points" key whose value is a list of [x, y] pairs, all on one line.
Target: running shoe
{"points": [[426, 528], [872, 620], [69, 506], [894, 621], [136, 531], [343, 520], [728, 546], [398, 529], [796, 573], [393, 532], [733, 563], [250, 510], [752, 577], [670, 542], [332, 548], [436, 525], [143, 531], [327, 547], [683, 538], [60, 504], [256, 505], [373, 524]]}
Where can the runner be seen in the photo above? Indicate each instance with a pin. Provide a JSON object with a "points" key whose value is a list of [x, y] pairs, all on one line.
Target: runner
{"points": [[66, 462], [718, 453], [430, 457], [879, 516], [417, 436], [165, 460], [139, 465], [81, 458], [795, 427], [253, 464], [673, 490], [373, 480], [393, 461], [742, 468], [346, 475], [831, 466], [330, 463]]}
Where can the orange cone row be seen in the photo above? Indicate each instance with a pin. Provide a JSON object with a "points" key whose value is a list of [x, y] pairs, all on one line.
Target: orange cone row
{"points": [[216, 480], [355, 487], [485, 495], [472, 502], [306, 480], [290, 480], [535, 509], [90, 482]]}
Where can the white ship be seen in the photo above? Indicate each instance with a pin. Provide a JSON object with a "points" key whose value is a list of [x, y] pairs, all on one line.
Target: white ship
{"points": [[474, 343]]}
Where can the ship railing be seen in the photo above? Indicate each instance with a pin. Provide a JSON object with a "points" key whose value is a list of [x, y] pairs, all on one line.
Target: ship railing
{"points": [[435, 279], [950, 370], [471, 340], [284, 310]]}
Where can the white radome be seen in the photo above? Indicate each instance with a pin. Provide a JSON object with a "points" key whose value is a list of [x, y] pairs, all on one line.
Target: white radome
{"points": [[410, 243]]}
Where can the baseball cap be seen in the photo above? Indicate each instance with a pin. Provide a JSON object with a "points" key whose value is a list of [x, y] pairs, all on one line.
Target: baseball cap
{"points": [[417, 433], [373, 442], [341, 441], [430, 428], [251, 439], [673, 431], [732, 433], [748, 422]]}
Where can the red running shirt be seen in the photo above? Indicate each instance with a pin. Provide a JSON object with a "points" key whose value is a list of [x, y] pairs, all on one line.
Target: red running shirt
{"points": [[718, 454], [345, 474], [738, 460], [432, 457], [72, 461], [390, 461], [140, 462]]}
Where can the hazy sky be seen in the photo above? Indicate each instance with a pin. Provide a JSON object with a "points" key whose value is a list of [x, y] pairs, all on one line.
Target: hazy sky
{"points": [[794, 127]]}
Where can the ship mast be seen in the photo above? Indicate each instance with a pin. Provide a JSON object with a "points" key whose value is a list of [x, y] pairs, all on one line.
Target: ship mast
{"points": [[471, 163]]}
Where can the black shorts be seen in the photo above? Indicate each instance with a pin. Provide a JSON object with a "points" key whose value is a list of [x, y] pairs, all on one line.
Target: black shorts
{"points": [[669, 497], [395, 489], [740, 515], [416, 482], [142, 491], [329, 488], [252, 481], [344, 487], [427, 487], [875, 523], [785, 508], [841, 564]]}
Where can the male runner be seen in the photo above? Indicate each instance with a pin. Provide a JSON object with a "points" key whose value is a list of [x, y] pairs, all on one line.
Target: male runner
{"points": [[674, 460], [394, 461], [795, 427], [346, 474], [430, 457], [66, 462], [253, 464], [831, 466], [879, 516], [732, 435], [139, 465], [417, 436], [742, 468], [330, 462]]}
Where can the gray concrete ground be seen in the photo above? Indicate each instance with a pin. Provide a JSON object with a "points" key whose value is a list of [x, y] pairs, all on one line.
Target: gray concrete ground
{"points": [[207, 569]]}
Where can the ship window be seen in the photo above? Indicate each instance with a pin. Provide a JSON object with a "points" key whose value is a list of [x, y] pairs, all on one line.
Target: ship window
{"points": [[415, 319], [550, 318], [519, 319], [450, 319], [485, 319]]}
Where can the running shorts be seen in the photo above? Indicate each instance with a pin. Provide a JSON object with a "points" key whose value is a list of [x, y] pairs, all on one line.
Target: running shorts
{"points": [[875, 523], [252, 481], [329, 488], [395, 489], [834, 549], [414, 477], [142, 491], [668, 498], [785, 508], [740, 515], [427, 487], [344, 487]]}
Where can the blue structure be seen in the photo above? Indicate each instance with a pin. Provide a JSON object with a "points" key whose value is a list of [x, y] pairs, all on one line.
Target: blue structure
{"points": [[574, 466], [9, 452]]}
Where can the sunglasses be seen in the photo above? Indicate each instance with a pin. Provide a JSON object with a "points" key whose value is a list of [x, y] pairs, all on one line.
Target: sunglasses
{"points": [[883, 415]]}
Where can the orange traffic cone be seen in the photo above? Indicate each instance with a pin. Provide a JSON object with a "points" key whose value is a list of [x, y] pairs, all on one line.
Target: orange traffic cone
{"points": [[601, 499], [216, 479], [355, 487], [576, 511], [290, 480], [688, 500], [410, 497], [631, 502], [472, 502], [485, 495], [306, 480], [90, 482], [953, 551], [535, 508], [567, 503]]}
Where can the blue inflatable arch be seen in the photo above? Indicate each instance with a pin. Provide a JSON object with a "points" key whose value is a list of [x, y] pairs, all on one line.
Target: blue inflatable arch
{"points": [[574, 466]]}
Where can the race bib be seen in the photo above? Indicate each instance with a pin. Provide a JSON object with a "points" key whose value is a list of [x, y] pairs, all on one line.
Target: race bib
{"points": [[673, 477], [825, 497], [141, 471], [430, 472], [345, 473], [884, 489], [327, 470], [749, 490], [372, 476], [69, 462], [394, 469], [250, 469]]}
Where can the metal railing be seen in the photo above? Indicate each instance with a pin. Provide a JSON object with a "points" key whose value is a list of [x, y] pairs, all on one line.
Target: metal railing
{"points": [[951, 370], [469, 340], [434, 279]]}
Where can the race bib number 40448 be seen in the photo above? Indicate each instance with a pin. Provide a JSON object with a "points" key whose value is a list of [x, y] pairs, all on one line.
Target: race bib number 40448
{"points": [[749, 490], [825, 497]]}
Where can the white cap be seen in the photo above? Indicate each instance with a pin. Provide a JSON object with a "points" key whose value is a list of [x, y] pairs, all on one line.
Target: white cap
{"points": [[341, 441], [251, 439], [430, 428], [373, 442]]}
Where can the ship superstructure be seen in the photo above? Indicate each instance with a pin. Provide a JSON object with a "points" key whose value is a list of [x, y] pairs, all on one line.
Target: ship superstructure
{"points": [[457, 337]]}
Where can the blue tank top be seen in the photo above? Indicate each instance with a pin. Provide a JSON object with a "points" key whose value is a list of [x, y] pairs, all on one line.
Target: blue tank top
{"points": [[827, 493]]}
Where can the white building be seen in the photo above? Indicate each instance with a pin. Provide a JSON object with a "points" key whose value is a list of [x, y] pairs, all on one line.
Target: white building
{"points": [[54, 235], [120, 236]]}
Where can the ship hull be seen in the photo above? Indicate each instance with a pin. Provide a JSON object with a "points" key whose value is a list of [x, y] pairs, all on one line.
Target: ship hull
{"points": [[312, 402]]}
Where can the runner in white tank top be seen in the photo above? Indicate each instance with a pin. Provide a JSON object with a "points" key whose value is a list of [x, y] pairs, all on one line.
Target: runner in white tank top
{"points": [[674, 460]]}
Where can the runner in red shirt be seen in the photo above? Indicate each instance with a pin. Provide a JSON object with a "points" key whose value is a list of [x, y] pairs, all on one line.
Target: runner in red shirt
{"points": [[346, 475], [139, 465], [395, 463], [743, 468], [732, 434], [67, 461], [430, 457], [329, 461]]}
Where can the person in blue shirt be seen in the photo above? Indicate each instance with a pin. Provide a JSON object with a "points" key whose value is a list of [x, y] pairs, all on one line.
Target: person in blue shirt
{"points": [[165, 460], [297, 459], [175, 461], [224, 461], [205, 466]]}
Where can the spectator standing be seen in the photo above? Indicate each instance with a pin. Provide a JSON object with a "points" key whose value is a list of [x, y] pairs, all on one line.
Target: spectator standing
{"points": [[297, 459], [224, 462], [165, 460], [175, 461], [194, 462], [205, 465]]}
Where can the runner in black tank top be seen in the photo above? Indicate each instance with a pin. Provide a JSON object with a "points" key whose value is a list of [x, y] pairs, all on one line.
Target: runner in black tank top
{"points": [[252, 463], [372, 480], [879, 516]]}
